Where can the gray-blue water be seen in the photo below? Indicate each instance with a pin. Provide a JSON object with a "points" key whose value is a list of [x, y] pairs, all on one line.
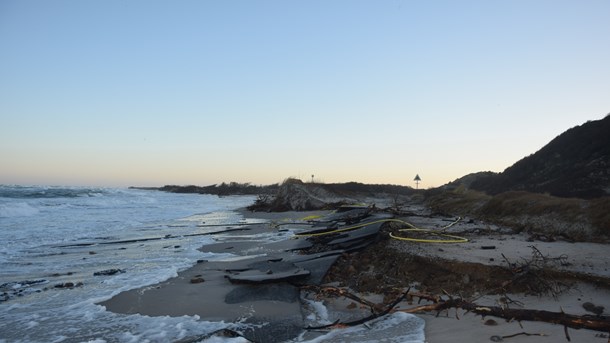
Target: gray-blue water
{"points": [[59, 236]]}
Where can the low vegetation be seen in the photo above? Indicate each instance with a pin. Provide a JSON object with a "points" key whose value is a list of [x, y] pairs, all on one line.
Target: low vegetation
{"points": [[569, 218]]}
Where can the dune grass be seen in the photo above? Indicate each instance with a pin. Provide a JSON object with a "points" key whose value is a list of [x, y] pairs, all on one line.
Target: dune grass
{"points": [[571, 218]]}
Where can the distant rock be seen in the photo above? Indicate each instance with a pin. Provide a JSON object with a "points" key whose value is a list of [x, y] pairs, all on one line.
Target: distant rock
{"points": [[197, 279], [20, 288], [295, 195], [109, 272], [68, 285], [590, 307]]}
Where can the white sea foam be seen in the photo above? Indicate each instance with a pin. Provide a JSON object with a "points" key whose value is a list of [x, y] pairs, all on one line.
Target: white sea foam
{"points": [[59, 235], [319, 312], [394, 328]]}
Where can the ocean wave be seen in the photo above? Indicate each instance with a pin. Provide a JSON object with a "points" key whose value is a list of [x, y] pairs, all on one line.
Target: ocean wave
{"points": [[45, 192], [18, 209]]}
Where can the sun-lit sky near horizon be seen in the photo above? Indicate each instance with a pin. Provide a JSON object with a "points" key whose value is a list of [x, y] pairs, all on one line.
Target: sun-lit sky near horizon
{"points": [[148, 93]]}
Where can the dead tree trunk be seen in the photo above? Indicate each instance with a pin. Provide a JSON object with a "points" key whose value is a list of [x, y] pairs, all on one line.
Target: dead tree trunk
{"points": [[597, 323], [590, 322]]}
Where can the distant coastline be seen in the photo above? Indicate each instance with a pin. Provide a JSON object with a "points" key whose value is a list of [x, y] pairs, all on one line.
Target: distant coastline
{"points": [[231, 188]]}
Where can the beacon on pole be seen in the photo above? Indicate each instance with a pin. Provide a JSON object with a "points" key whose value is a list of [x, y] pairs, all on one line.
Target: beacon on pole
{"points": [[417, 179]]}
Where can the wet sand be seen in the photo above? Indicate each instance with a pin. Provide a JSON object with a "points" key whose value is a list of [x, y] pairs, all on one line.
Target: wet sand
{"points": [[258, 286], [205, 291]]}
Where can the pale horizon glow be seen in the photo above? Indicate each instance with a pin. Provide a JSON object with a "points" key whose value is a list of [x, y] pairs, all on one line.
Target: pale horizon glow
{"points": [[148, 93]]}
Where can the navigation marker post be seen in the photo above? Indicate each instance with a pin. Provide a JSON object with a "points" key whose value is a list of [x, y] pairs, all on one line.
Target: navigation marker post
{"points": [[417, 179]]}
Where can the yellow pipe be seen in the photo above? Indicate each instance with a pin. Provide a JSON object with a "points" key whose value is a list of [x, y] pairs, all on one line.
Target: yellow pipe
{"points": [[455, 239]]}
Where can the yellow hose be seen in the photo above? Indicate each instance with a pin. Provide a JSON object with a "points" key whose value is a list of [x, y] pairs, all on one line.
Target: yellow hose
{"points": [[454, 239], [312, 217]]}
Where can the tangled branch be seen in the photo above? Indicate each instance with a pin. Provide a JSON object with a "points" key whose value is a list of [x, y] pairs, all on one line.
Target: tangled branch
{"points": [[438, 304], [534, 275]]}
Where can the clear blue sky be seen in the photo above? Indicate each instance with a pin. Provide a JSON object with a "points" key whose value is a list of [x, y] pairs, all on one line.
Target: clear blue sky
{"points": [[198, 92]]}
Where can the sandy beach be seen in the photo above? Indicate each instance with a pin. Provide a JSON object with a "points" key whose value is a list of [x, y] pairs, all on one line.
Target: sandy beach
{"points": [[586, 264], [581, 269], [203, 290]]}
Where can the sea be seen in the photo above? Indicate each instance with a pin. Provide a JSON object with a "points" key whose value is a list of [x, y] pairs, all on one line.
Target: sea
{"points": [[65, 249]]}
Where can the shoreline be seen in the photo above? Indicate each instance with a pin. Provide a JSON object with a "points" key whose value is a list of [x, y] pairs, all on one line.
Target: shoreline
{"points": [[279, 303], [203, 290]]}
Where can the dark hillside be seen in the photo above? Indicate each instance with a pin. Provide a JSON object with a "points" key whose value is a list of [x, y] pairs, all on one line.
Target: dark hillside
{"points": [[574, 164]]}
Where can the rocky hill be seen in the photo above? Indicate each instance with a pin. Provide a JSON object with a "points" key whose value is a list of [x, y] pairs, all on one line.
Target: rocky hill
{"points": [[574, 164]]}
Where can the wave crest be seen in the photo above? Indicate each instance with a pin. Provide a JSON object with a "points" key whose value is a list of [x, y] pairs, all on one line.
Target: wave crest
{"points": [[40, 192], [18, 209]]}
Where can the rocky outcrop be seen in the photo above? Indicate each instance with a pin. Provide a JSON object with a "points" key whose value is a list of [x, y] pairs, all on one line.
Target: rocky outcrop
{"points": [[295, 195]]}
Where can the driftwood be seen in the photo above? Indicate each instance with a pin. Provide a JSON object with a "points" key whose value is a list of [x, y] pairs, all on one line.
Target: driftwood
{"points": [[590, 322]]}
